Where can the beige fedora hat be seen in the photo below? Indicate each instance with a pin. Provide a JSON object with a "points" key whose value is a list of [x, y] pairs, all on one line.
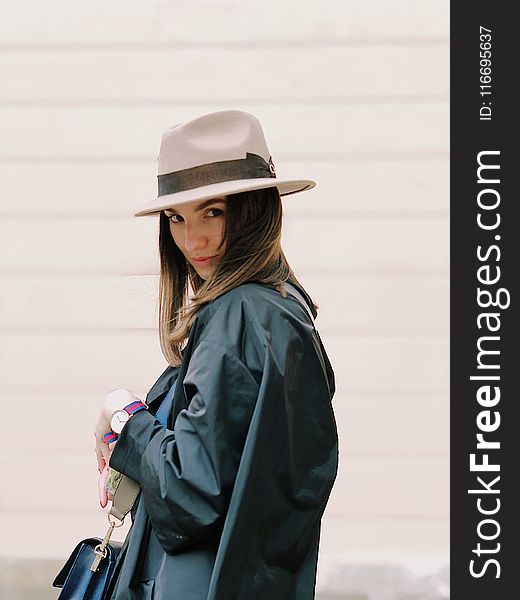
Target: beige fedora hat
{"points": [[217, 154]]}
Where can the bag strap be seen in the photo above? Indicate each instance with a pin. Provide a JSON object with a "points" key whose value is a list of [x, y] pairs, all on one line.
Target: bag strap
{"points": [[294, 292], [124, 497], [126, 492]]}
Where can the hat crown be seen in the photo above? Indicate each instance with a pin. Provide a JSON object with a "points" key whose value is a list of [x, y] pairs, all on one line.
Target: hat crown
{"points": [[218, 136]]}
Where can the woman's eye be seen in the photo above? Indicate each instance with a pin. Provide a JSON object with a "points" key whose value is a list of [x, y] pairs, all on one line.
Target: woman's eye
{"points": [[212, 212], [219, 211]]}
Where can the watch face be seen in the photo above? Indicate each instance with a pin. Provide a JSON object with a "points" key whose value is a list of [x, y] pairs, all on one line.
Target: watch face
{"points": [[118, 421]]}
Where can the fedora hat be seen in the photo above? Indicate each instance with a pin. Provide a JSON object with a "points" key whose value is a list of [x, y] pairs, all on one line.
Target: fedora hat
{"points": [[214, 155]]}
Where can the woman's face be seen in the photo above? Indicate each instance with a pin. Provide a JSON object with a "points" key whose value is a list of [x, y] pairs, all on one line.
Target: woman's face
{"points": [[197, 229]]}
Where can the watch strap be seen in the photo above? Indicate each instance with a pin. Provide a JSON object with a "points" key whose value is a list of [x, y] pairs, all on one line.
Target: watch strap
{"points": [[134, 407], [131, 409], [110, 436]]}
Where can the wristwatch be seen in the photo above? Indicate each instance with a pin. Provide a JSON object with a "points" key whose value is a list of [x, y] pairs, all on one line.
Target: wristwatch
{"points": [[120, 418]]}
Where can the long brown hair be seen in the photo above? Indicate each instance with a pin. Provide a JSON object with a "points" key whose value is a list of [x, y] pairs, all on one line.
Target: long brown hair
{"points": [[253, 252]]}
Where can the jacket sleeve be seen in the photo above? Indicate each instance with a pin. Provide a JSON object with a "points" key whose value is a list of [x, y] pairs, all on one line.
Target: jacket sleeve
{"points": [[187, 474]]}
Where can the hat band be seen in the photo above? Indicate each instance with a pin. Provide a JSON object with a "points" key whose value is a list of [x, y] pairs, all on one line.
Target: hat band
{"points": [[251, 167]]}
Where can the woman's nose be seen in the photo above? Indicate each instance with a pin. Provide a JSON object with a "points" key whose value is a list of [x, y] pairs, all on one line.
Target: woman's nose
{"points": [[194, 239]]}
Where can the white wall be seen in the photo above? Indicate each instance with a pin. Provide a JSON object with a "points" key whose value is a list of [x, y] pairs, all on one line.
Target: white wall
{"points": [[354, 94]]}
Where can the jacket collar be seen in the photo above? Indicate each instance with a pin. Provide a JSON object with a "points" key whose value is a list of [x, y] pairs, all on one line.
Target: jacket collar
{"points": [[170, 374], [162, 385]]}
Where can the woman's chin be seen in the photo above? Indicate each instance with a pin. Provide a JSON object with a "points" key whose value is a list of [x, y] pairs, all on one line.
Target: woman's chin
{"points": [[204, 272]]}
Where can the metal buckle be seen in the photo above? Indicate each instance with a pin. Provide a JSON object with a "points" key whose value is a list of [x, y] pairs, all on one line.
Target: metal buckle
{"points": [[271, 166]]}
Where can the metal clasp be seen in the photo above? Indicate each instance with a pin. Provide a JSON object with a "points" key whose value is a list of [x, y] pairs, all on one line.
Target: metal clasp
{"points": [[101, 549]]}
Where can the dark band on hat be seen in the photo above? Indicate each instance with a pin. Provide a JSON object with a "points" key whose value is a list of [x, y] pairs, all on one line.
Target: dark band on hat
{"points": [[252, 166]]}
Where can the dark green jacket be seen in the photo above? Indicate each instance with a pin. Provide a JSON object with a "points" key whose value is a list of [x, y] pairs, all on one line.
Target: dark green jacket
{"points": [[234, 487]]}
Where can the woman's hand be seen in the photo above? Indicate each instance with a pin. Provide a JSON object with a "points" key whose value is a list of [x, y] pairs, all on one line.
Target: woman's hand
{"points": [[115, 400], [103, 450]]}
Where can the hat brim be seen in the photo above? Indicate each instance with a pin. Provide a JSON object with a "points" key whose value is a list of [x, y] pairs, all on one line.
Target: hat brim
{"points": [[224, 188]]}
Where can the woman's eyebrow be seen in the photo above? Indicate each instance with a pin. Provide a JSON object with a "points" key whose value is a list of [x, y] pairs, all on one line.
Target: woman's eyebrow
{"points": [[201, 206]]}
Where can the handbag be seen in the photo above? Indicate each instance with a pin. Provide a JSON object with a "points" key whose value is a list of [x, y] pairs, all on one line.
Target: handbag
{"points": [[88, 570]]}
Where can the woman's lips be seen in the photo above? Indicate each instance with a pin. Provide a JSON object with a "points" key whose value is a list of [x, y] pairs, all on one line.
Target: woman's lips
{"points": [[203, 260]]}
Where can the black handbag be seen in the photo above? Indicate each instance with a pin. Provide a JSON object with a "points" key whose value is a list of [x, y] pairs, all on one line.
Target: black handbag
{"points": [[88, 570], [76, 578]]}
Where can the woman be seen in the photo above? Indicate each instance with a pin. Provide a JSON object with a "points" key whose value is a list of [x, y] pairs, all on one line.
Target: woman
{"points": [[236, 450]]}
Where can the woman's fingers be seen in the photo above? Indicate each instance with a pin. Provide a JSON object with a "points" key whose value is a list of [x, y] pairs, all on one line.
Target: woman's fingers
{"points": [[103, 452], [102, 449], [99, 456], [106, 453], [103, 496]]}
